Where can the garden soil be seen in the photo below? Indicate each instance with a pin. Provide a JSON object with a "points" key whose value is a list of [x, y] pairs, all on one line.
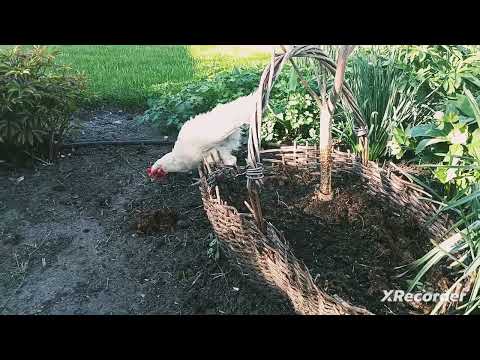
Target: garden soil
{"points": [[71, 239]]}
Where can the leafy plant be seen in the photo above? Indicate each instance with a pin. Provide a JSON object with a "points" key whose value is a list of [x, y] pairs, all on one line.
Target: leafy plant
{"points": [[441, 70], [292, 114], [213, 250], [451, 141], [295, 119], [37, 97]]}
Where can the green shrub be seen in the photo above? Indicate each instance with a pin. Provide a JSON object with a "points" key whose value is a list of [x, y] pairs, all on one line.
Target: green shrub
{"points": [[171, 110], [37, 97], [440, 70]]}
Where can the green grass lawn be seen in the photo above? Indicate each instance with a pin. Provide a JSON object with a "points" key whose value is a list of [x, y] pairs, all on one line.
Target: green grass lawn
{"points": [[128, 75]]}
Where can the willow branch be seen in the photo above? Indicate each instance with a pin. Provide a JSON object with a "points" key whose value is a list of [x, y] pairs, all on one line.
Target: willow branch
{"points": [[303, 81]]}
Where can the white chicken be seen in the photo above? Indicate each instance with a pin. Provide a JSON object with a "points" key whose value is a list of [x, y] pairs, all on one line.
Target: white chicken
{"points": [[218, 130]]}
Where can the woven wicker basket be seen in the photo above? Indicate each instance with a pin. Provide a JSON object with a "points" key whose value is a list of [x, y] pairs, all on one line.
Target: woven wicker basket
{"points": [[256, 244]]}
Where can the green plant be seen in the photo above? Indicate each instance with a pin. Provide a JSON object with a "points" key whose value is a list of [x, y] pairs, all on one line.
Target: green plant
{"points": [[294, 118], [450, 147], [441, 70], [292, 115], [451, 141], [213, 250], [171, 110], [37, 97], [386, 98]]}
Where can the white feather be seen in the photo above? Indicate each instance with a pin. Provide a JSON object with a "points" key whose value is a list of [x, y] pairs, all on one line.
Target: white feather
{"points": [[218, 129]]}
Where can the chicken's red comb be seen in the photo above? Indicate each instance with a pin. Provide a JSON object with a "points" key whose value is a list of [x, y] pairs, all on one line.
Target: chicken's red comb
{"points": [[156, 173]]}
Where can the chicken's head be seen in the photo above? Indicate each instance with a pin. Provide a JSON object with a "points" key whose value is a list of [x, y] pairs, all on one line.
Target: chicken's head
{"points": [[162, 167]]}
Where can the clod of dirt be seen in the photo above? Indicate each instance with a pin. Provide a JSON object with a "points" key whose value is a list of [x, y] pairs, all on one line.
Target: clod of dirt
{"points": [[154, 221]]}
